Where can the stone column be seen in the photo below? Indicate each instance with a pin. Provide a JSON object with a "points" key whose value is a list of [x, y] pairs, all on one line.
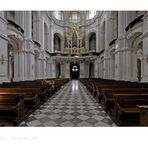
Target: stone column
{"points": [[128, 17], [87, 43], [119, 68], [98, 39], [19, 74], [82, 72], [102, 36], [29, 47], [99, 67], [28, 25], [51, 37], [111, 67], [37, 30], [67, 70], [50, 70], [86, 69], [134, 65], [145, 49], [19, 18], [42, 32], [38, 68], [111, 27], [16, 66], [32, 69], [106, 64], [128, 65], [62, 44], [22, 19], [47, 47], [21, 65], [53, 68], [42, 61], [107, 32], [96, 70], [102, 67], [29, 65], [3, 49]]}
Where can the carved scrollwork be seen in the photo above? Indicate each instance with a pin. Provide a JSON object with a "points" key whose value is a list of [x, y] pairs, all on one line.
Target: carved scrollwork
{"points": [[74, 41]]}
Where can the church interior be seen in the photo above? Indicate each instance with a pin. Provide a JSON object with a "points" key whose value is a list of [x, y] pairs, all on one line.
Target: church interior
{"points": [[73, 68]]}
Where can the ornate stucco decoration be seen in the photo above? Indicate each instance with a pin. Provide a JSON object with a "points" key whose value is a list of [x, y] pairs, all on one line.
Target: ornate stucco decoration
{"points": [[74, 41]]}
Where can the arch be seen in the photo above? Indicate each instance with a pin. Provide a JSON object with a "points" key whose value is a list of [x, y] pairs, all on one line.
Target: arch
{"points": [[92, 41], [12, 52], [90, 14], [57, 42], [15, 43], [135, 40], [75, 17], [58, 15], [136, 45]]}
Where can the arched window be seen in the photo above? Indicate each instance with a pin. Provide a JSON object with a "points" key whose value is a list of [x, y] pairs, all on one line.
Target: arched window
{"points": [[57, 42], [45, 36], [58, 15], [92, 42], [74, 17], [90, 14]]}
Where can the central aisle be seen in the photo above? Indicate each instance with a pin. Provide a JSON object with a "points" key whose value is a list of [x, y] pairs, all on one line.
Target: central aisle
{"points": [[71, 106]]}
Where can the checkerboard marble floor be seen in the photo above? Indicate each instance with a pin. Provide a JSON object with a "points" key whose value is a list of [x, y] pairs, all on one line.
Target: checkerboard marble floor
{"points": [[71, 106]]}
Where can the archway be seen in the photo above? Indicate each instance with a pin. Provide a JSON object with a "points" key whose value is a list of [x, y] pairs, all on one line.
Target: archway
{"points": [[140, 62], [57, 42], [92, 42], [10, 62], [58, 70], [45, 36], [91, 70], [74, 70], [136, 45]]}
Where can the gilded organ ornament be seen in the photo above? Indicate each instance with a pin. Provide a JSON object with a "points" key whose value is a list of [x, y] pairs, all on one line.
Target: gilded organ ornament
{"points": [[74, 41]]}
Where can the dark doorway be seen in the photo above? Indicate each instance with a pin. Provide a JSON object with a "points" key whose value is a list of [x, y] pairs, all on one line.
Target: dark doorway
{"points": [[91, 70], [58, 70], [74, 71]]}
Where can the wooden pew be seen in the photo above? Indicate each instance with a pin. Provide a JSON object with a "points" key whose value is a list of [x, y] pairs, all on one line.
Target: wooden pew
{"points": [[31, 99], [104, 90], [126, 108], [11, 108], [34, 93], [42, 89], [108, 101]]}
